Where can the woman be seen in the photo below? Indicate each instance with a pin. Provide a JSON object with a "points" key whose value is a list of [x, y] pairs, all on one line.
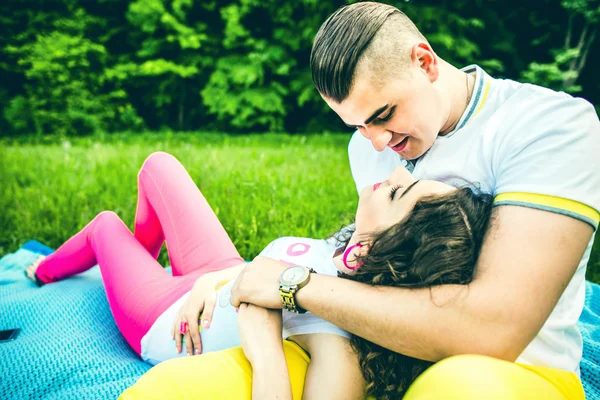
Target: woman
{"points": [[408, 232]]}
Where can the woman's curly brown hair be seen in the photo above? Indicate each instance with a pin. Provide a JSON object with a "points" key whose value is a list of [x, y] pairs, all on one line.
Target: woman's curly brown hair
{"points": [[437, 243]]}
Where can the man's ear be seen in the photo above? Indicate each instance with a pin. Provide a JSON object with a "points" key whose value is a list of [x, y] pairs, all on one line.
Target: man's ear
{"points": [[425, 58]]}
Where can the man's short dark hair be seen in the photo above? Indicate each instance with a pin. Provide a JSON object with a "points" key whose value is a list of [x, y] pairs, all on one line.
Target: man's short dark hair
{"points": [[344, 38]]}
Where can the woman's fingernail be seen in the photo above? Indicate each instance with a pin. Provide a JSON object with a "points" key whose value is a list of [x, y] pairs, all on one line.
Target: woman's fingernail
{"points": [[205, 323], [237, 310], [189, 354], [197, 351]]}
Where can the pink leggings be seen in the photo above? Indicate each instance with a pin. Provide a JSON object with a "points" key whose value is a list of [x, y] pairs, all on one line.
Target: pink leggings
{"points": [[170, 207]]}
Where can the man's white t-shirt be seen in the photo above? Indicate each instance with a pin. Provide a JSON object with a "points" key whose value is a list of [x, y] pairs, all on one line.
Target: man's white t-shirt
{"points": [[527, 146], [158, 345]]}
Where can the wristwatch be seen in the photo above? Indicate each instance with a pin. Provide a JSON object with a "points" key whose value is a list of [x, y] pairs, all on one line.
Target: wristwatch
{"points": [[290, 281]]}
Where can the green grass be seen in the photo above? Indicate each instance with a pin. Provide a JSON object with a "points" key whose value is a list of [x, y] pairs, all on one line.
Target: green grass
{"points": [[261, 186]]}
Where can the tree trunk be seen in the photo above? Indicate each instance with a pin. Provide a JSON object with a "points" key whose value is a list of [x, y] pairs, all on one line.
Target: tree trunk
{"points": [[181, 101], [583, 46], [569, 33]]}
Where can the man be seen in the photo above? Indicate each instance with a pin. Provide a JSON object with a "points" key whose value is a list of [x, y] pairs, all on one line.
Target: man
{"points": [[532, 148]]}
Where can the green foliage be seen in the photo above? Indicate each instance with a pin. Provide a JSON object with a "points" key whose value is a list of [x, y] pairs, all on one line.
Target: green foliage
{"points": [[173, 57], [554, 74], [562, 72], [66, 91], [258, 79], [588, 9], [73, 67]]}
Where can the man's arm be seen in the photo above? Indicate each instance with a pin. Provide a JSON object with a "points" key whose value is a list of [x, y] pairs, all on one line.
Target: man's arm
{"points": [[527, 260], [260, 338]]}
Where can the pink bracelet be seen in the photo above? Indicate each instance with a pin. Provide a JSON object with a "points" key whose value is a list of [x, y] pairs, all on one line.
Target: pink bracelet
{"points": [[345, 257]]}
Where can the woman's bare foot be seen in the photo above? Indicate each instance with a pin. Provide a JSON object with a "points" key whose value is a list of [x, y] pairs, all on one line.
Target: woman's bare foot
{"points": [[30, 270]]}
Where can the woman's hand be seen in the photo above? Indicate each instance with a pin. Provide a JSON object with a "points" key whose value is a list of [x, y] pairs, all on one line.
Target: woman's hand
{"points": [[202, 300]]}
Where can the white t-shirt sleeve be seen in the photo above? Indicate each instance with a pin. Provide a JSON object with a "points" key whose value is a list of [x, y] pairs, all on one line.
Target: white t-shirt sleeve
{"points": [[543, 160]]}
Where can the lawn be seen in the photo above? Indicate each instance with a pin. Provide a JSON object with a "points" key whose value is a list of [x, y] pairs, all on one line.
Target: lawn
{"points": [[261, 186]]}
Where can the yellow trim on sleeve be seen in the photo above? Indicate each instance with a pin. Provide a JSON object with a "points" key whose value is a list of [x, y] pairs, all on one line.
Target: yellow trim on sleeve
{"points": [[550, 203]]}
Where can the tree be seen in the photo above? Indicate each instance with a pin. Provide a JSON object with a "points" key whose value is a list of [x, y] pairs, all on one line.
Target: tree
{"points": [[74, 66], [173, 56], [569, 61], [262, 78], [65, 89]]}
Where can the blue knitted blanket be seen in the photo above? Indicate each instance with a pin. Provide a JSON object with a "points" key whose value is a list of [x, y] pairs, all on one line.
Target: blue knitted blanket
{"points": [[70, 347], [589, 325]]}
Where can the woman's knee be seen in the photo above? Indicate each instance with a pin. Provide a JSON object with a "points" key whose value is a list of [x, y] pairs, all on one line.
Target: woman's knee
{"points": [[107, 218], [157, 161]]}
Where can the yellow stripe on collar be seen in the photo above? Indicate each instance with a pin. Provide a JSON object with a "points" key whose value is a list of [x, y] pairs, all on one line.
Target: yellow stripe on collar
{"points": [[482, 102]]}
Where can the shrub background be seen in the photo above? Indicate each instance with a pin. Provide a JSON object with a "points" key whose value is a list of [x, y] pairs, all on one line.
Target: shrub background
{"points": [[75, 67]]}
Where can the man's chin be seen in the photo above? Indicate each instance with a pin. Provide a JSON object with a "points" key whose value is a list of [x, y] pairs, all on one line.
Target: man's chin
{"points": [[412, 154], [408, 155]]}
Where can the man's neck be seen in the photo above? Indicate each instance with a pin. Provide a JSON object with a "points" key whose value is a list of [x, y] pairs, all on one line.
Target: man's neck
{"points": [[459, 87]]}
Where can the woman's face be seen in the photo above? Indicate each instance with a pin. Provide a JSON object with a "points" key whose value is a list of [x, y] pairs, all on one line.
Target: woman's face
{"points": [[387, 203]]}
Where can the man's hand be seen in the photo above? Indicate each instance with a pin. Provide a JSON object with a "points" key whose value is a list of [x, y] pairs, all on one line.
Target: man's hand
{"points": [[260, 337], [258, 284], [260, 332]]}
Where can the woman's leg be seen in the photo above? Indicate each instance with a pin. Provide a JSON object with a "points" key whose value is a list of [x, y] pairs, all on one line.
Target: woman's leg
{"points": [[138, 289], [171, 207], [221, 375], [479, 377]]}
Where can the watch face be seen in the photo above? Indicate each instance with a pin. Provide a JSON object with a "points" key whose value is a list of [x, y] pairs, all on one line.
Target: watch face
{"points": [[294, 275]]}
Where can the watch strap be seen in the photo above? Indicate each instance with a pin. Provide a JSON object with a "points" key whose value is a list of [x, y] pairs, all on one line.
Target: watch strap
{"points": [[288, 296], [288, 299]]}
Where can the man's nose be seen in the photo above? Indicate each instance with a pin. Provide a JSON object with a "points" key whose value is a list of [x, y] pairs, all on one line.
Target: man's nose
{"points": [[400, 175], [379, 137]]}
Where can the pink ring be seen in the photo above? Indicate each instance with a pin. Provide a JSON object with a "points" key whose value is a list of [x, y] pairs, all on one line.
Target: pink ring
{"points": [[345, 257], [183, 327]]}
